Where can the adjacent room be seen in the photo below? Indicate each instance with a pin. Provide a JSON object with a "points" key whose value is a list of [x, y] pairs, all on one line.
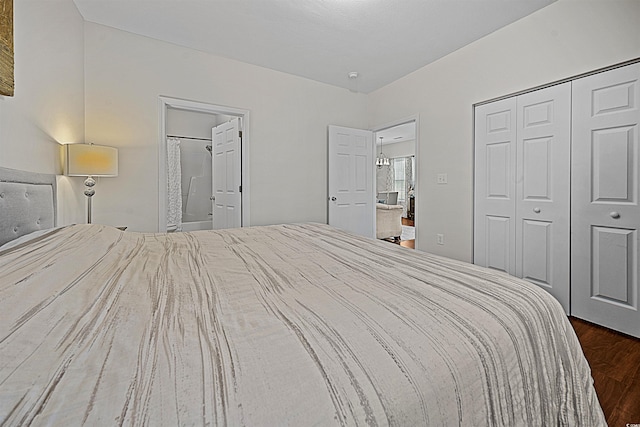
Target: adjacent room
{"points": [[301, 212], [395, 184]]}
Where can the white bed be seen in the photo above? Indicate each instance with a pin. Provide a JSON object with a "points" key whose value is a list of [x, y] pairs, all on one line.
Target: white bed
{"points": [[280, 325]]}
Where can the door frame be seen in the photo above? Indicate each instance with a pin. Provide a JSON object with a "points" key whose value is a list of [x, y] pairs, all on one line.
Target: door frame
{"points": [[415, 118], [165, 103]]}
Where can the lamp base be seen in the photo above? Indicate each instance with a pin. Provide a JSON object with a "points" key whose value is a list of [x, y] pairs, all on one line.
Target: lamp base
{"points": [[89, 192], [89, 210]]}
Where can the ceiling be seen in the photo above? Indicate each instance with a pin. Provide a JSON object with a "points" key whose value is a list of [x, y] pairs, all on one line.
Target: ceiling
{"points": [[323, 40]]}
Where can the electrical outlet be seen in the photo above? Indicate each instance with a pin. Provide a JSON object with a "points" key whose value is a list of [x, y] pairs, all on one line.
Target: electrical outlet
{"points": [[441, 178], [440, 239]]}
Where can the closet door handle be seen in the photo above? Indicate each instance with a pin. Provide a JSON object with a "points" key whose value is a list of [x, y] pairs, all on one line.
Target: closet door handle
{"points": [[614, 215], [536, 210], [333, 199]]}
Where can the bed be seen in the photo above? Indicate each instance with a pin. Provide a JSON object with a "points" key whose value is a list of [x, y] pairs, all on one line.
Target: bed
{"points": [[298, 324]]}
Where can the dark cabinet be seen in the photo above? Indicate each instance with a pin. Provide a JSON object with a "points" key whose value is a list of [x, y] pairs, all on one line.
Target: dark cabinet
{"points": [[411, 208]]}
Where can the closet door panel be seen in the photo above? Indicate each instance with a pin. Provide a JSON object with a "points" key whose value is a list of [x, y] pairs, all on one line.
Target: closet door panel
{"points": [[536, 252], [612, 169], [498, 242], [614, 260], [543, 184], [494, 204], [605, 213], [498, 186]]}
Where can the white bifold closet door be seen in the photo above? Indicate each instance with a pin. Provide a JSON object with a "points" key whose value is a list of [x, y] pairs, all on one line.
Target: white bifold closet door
{"points": [[495, 186], [522, 184], [605, 211]]}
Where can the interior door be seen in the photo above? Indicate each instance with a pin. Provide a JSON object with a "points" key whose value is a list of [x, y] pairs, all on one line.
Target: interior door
{"points": [[605, 215], [495, 186], [351, 180], [542, 187], [227, 181]]}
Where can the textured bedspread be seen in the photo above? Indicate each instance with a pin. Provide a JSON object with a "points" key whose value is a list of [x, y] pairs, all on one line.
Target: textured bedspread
{"points": [[282, 325]]}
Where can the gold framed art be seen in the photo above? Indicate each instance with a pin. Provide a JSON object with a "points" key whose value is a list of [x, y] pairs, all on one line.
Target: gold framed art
{"points": [[6, 48]]}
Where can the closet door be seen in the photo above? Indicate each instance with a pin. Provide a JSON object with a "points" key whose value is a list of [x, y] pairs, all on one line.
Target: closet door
{"points": [[543, 179], [605, 212], [495, 185]]}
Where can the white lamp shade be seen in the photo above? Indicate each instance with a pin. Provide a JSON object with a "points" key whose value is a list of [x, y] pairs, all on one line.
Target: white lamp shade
{"points": [[90, 160]]}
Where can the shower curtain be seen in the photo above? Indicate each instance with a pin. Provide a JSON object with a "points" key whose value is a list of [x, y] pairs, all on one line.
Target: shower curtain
{"points": [[174, 186]]}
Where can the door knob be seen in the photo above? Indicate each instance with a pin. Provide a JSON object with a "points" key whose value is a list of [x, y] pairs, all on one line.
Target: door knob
{"points": [[614, 215], [536, 210], [333, 199]]}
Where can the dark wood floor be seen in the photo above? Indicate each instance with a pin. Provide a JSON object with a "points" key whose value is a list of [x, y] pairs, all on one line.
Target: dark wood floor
{"points": [[615, 366]]}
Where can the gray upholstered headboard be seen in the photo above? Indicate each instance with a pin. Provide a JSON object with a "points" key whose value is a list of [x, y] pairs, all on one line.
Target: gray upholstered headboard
{"points": [[27, 203]]}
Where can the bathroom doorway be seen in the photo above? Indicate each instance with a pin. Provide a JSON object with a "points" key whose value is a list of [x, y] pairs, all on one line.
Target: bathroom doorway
{"points": [[185, 163], [190, 132]]}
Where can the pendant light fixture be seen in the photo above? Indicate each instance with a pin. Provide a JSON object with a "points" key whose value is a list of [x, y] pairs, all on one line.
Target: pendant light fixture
{"points": [[382, 160]]}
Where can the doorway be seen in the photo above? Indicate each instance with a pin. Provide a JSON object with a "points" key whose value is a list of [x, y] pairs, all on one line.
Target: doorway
{"points": [[396, 170], [188, 139], [186, 127]]}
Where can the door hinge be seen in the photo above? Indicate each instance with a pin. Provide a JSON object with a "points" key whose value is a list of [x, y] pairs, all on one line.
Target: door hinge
{"points": [[240, 133], [240, 189]]}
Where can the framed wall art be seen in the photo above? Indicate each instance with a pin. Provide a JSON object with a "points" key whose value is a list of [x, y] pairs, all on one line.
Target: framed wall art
{"points": [[6, 48]]}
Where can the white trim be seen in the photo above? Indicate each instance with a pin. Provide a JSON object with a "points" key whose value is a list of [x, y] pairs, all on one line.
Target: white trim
{"points": [[416, 119], [559, 82], [184, 104]]}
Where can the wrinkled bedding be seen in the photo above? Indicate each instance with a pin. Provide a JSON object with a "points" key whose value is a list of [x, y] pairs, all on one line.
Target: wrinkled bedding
{"points": [[279, 325]]}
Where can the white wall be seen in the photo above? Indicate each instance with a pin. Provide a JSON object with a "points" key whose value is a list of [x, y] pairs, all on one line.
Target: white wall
{"points": [[566, 38], [192, 123], [48, 106], [125, 74], [398, 149]]}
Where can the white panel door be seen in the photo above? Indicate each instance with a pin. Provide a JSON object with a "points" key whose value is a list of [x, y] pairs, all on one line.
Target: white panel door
{"points": [[542, 187], [605, 216], [227, 197], [351, 180], [495, 185]]}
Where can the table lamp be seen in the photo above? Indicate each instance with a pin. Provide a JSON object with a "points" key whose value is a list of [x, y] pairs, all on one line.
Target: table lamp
{"points": [[91, 161]]}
